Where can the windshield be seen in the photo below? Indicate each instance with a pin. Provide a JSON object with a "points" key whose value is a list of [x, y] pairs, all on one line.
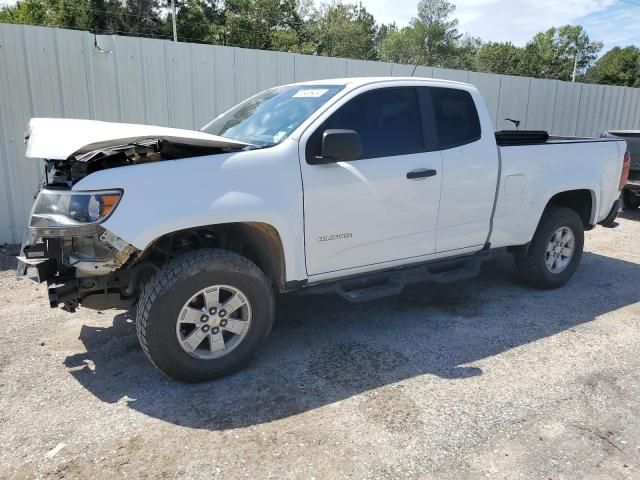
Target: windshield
{"points": [[272, 115]]}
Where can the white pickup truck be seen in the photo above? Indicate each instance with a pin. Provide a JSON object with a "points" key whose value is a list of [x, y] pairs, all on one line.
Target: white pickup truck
{"points": [[357, 186]]}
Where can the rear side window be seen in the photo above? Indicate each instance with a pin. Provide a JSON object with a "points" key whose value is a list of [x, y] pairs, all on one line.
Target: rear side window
{"points": [[387, 120], [456, 117]]}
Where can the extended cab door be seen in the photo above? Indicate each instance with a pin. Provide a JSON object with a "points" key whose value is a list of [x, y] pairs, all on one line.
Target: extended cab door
{"points": [[382, 206], [470, 167]]}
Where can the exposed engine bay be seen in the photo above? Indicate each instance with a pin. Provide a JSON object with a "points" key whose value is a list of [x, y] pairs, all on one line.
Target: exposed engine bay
{"points": [[76, 167]]}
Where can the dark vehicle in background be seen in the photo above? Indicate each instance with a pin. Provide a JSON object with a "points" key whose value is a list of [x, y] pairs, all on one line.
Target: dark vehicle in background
{"points": [[631, 192]]}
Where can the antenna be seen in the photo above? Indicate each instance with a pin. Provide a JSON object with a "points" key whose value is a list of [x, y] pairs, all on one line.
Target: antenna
{"points": [[415, 65], [515, 122]]}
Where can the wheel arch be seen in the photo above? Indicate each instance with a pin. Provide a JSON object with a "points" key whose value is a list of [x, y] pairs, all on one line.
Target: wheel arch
{"points": [[259, 242], [582, 201]]}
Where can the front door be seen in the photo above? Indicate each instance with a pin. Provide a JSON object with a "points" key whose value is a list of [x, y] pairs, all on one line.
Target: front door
{"points": [[383, 206]]}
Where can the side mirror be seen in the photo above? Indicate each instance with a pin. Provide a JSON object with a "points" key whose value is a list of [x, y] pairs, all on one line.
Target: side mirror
{"points": [[339, 146]]}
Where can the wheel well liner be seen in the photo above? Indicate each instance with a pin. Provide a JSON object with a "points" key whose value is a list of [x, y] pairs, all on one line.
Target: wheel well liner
{"points": [[259, 242], [581, 201]]}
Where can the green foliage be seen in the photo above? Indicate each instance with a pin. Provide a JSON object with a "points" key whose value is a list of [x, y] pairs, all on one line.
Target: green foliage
{"points": [[432, 38], [619, 66], [344, 30], [552, 54], [497, 57], [341, 30], [261, 23]]}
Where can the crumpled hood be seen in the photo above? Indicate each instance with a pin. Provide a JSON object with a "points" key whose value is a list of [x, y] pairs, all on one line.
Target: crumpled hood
{"points": [[59, 138]]}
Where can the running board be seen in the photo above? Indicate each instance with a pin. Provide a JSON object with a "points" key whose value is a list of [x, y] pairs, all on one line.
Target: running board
{"points": [[378, 285]]}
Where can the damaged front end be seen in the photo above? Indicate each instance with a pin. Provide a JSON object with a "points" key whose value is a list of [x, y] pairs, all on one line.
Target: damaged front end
{"points": [[94, 270], [66, 244]]}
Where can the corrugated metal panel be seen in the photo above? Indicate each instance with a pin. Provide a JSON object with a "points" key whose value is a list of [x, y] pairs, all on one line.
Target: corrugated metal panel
{"points": [[401, 70], [589, 109], [541, 105], [489, 86], [514, 100], [565, 118], [611, 114], [448, 74], [44, 76], [309, 67], [636, 102], [629, 107], [364, 68], [423, 72], [64, 73]]}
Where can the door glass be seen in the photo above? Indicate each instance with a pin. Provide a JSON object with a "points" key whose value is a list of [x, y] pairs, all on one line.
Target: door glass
{"points": [[456, 117], [387, 120]]}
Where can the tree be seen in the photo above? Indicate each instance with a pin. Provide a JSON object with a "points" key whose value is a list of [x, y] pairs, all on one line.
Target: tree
{"points": [[262, 24], [432, 38], [134, 16], [555, 53], [196, 20], [619, 66], [33, 12], [438, 32], [498, 57], [345, 30], [402, 46]]}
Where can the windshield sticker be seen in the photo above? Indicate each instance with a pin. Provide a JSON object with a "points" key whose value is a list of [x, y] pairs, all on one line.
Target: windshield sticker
{"points": [[311, 93], [278, 136]]}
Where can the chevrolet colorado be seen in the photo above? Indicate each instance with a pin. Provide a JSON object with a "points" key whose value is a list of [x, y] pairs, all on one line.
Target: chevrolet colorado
{"points": [[357, 186]]}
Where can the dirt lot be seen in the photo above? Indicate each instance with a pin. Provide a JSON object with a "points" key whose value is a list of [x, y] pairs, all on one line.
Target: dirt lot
{"points": [[485, 378]]}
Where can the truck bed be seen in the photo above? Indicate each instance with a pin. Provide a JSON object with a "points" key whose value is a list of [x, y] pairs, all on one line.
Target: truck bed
{"points": [[531, 173]]}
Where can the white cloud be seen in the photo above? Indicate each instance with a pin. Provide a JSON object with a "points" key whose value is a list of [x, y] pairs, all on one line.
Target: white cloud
{"points": [[516, 21]]}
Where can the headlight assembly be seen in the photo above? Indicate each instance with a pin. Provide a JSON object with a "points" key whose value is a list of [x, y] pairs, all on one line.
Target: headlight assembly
{"points": [[61, 213]]}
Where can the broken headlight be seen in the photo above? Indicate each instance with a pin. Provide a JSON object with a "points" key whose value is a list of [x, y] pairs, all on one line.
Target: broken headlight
{"points": [[61, 213]]}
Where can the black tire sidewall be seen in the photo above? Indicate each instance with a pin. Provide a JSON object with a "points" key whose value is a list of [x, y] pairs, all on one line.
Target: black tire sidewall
{"points": [[538, 271], [162, 342]]}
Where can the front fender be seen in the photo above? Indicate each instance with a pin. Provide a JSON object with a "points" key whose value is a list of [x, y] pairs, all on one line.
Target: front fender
{"points": [[252, 186]]}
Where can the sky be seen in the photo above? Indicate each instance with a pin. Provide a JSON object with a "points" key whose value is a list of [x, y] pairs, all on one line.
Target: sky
{"points": [[613, 22]]}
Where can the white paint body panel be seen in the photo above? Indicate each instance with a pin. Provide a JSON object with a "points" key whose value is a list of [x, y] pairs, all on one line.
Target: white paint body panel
{"points": [[470, 174], [384, 215], [253, 186], [393, 221], [532, 174]]}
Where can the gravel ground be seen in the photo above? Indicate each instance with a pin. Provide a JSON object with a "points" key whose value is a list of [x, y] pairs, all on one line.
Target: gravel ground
{"points": [[484, 378]]}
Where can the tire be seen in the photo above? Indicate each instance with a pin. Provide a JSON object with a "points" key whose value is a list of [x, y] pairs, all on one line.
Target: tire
{"points": [[532, 265], [631, 200], [168, 294]]}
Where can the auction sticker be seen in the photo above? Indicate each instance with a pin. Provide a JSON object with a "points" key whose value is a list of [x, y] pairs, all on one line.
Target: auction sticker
{"points": [[310, 93]]}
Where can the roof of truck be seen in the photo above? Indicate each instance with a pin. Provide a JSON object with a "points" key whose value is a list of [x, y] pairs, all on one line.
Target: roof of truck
{"points": [[354, 82]]}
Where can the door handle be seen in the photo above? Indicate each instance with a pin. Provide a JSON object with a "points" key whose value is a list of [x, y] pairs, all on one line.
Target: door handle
{"points": [[421, 173]]}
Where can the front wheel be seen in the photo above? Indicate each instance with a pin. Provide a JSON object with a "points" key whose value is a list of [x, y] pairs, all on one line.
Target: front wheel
{"points": [[204, 315], [555, 250]]}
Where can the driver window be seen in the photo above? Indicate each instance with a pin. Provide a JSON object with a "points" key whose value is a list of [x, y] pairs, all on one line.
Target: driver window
{"points": [[387, 120]]}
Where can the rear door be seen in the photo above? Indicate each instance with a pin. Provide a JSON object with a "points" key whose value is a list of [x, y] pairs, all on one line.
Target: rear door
{"points": [[470, 167], [383, 206]]}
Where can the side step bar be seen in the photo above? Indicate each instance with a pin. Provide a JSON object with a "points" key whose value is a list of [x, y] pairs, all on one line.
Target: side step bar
{"points": [[378, 285]]}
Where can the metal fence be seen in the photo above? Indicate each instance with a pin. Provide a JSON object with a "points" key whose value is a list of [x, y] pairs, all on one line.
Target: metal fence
{"points": [[47, 72]]}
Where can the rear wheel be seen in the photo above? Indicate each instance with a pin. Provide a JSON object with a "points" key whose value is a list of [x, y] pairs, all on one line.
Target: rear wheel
{"points": [[204, 315], [555, 250], [631, 200]]}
